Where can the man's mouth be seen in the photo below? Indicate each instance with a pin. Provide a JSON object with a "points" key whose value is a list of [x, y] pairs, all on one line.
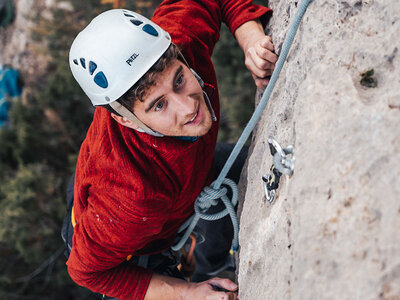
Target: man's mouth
{"points": [[196, 118]]}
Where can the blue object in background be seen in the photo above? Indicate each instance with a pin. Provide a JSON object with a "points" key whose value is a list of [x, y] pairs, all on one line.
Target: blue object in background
{"points": [[9, 88], [7, 12]]}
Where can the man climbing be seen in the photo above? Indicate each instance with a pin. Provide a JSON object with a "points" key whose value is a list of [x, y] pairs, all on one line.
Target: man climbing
{"points": [[150, 148]]}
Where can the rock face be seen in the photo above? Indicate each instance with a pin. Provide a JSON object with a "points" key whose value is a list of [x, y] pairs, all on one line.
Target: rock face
{"points": [[334, 230], [17, 47]]}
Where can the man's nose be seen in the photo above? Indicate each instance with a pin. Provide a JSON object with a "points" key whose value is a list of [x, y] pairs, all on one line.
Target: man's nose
{"points": [[184, 104]]}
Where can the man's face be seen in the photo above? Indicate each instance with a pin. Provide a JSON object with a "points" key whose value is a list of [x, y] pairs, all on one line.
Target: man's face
{"points": [[175, 105]]}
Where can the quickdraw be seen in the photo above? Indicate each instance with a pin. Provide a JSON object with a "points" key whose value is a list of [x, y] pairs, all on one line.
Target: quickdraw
{"points": [[283, 163]]}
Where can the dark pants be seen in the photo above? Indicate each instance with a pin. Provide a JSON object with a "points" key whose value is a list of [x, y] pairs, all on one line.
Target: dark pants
{"points": [[213, 254]]}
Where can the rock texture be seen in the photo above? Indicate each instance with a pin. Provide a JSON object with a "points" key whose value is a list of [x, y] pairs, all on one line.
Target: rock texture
{"points": [[334, 230], [17, 47]]}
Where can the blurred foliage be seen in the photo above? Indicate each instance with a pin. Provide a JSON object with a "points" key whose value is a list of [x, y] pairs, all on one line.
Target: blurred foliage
{"points": [[39, 149], [236, 87], [22, 195], [37, 156]]}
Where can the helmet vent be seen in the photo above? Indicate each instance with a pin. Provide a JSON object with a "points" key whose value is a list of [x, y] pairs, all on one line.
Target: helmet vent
{"points": [[92, 67], [101, 80], [150, 30], [146, 28], [136, 22], [83, 62]]}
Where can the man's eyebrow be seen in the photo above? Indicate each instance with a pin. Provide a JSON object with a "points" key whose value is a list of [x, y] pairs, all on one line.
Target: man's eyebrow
{"points": [[152, 103]]}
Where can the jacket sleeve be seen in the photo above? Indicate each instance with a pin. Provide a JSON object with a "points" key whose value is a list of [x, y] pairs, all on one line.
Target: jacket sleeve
{"points": [[236, 13], [105, 234], [189, 20]]}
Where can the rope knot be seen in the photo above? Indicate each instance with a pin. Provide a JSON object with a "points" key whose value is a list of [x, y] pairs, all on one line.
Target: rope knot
{"points": [[209, 197]]}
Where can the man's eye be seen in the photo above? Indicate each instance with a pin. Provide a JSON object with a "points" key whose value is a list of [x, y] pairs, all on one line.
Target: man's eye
{"points": [[159, 106], [179, 80]]}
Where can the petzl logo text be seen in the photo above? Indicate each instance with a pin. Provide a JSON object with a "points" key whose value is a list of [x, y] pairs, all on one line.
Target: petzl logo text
{"points": [[132, 58]]}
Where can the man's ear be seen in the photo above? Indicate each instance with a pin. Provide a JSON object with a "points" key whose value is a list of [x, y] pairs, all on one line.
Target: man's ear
{"points": [[125, 122]]}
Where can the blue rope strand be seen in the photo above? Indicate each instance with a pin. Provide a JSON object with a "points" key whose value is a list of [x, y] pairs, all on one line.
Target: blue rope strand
{"points": [[209, 195]]}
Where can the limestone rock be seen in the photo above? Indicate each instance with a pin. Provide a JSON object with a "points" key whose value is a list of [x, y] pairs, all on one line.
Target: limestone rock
{"points": [[17, 47], [334, 230]]}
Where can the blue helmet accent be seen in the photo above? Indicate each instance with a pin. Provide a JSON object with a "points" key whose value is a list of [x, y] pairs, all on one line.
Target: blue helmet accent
{"points": [[101, 80], [150, 30], [76, 61], [92, 67], [83, 63], [136, 22]]}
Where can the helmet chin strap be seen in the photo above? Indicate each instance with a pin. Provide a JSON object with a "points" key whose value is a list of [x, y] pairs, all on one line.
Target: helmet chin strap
{"points": [[201, 82], [123, 111], [208, 102]]}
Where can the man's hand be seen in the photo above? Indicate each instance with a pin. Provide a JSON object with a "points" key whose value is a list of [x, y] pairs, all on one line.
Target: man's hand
{"points": [[258, 49], [260, 59], [169, 288], [213, 289]]}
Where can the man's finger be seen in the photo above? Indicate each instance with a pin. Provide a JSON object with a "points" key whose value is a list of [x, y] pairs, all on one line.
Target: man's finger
{"points": [[262, 63], [267, 43], [266, 54], [261, 73], [261, 82], [223, 284]]}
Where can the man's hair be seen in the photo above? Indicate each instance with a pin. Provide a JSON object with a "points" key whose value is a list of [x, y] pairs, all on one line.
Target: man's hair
{"points": [[138, 90]]}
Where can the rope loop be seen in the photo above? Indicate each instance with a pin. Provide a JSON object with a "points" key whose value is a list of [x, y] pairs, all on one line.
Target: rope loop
{"points": [[208, 197]]}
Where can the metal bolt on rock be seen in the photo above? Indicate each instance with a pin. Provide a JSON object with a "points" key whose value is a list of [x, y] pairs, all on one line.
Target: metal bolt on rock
{"points": [[283, 163]]}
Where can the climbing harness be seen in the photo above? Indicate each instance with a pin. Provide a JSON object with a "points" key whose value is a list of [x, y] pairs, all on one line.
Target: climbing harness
{"points": [[210, 195], [282, 164]]}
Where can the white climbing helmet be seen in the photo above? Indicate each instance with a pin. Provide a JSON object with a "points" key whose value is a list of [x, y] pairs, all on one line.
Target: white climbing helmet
{"points": [[113, 52]]}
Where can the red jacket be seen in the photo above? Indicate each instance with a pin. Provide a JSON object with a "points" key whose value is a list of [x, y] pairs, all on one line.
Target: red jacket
{"points": [[132, 190]]}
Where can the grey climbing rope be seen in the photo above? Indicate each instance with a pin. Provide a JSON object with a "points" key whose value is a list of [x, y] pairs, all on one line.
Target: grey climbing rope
{"points": [[210, 195]]}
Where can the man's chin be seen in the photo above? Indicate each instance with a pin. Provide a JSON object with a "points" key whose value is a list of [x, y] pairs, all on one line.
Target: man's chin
{"points": [[204, 132], [203, 129], [195, 134]]}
